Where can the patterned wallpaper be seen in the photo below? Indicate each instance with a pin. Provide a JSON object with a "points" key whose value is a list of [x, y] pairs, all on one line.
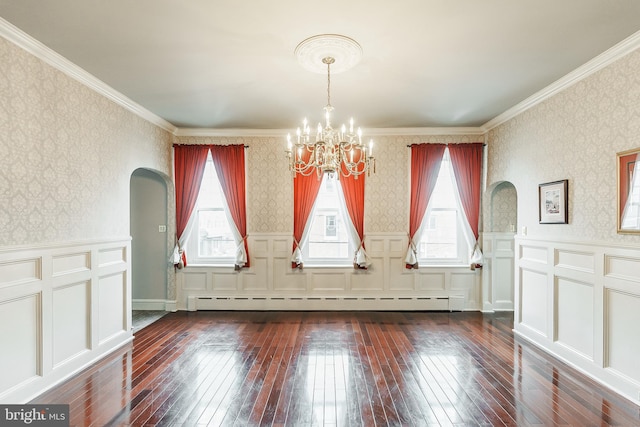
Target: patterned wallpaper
{"points": [[500, 207], [270, 194], [66, 155], [574, 135]]}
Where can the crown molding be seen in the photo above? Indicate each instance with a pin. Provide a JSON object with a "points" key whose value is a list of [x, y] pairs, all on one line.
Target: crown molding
{"points": [[46, 54], [606, 58], [281, 133]]}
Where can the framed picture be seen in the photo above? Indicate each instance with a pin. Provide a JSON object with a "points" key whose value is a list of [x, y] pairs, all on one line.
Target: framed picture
{"points": [[628, 165], [553, 201]]}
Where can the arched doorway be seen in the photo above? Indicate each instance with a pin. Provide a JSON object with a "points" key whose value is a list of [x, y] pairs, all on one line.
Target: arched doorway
{"points": [[150, 231], [498, 247]]}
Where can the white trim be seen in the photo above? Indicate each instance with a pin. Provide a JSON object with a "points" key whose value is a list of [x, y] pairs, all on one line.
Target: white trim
{"points": [[282, 133], [60, 245], [153, 304], [46, 54], [606, 58]]}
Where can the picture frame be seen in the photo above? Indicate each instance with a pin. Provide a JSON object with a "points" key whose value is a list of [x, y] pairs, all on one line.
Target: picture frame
{"points": [[628, 186], [553, 201]]}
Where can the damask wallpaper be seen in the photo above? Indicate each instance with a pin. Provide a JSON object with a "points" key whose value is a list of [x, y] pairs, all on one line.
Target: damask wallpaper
{"points": [[500, 206], [270, 185], [67, 154], [573, 135]]}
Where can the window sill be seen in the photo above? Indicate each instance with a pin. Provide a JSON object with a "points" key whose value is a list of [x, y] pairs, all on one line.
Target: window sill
{"points": [[334, 266], [421, 265], [201, 265]]}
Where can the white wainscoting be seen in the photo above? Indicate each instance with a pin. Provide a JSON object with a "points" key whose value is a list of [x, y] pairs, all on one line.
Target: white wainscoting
{"points": [[497, 272], [62, 307], [581, 303], [271, 284]]}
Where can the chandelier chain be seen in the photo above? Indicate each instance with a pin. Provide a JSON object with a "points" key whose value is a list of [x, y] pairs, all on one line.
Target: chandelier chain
{"points": [[328, 84]]}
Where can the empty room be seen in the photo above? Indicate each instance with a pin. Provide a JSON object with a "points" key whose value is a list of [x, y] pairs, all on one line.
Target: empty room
{"points": [[343, 213]]}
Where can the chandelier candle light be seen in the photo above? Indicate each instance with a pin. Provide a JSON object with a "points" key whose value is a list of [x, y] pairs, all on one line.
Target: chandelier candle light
{"points": [[330, 150]]}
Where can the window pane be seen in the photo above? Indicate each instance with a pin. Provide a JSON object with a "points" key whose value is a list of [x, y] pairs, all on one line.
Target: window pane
{"points": [[330, 226], [210, 195], [440, 238], [328, 237], [214, 235]]}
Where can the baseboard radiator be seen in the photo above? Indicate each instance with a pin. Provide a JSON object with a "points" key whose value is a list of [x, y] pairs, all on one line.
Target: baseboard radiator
{"points": [[336, 303]]}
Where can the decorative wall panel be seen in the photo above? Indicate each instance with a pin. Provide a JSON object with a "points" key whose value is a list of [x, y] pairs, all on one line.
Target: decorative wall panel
{"points": [[71, 320], [593, 323], [75, 313], [112, 298], [66, 264], [21, 331], [623, 334], [574, 315], [20, 271], [533, 301], [270, 283]]}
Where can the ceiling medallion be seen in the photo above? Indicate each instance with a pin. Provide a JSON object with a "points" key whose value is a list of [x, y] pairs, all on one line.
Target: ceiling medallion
{"points": [[345, 51], [338, 151]]}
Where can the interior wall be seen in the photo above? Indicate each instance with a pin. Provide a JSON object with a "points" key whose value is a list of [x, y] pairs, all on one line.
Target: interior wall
{"points": [[574, 135], [67, 155], [270, 185], [271, 284], [577, 286], [149, 250]]}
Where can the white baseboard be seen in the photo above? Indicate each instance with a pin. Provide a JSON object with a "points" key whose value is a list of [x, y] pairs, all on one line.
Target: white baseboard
{"points": [[153, 304]]}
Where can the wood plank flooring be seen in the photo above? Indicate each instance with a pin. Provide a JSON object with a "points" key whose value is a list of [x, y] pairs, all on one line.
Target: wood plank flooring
{"points": [[335, 369]]}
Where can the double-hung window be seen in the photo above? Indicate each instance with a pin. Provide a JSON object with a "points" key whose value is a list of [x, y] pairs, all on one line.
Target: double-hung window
{"points": [[443, 239], [211, 240], [328, 242]]}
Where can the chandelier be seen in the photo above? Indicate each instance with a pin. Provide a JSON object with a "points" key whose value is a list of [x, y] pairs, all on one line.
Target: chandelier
{"points": [[335, 151]]}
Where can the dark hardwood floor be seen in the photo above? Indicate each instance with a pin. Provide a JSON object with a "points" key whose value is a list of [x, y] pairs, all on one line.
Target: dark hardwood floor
{"points": [[335, 368]]}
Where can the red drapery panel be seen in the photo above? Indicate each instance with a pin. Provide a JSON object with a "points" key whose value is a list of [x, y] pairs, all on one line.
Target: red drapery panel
{"points": [[189, 163], [466, 160], [305, 190], [229, 163], [425, 166], [353, 190]]}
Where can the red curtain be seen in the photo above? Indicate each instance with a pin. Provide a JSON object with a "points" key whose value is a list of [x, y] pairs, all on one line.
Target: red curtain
{"points": [[425, 166], [229, 163], [189, 163], [305, 190], [466, 160], [353, 190]]}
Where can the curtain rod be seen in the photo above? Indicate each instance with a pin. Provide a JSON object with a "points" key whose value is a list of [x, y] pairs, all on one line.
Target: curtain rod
{"points": [[447, 144], [223, 145]]}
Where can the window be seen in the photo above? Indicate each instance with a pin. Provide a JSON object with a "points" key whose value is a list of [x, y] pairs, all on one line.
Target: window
{"points": [[443, 240], [330, 229], [329, 242], [211, 240]]}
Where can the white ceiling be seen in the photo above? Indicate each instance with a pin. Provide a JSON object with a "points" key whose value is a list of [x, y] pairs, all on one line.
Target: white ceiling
{"points": [[229, 64]]}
